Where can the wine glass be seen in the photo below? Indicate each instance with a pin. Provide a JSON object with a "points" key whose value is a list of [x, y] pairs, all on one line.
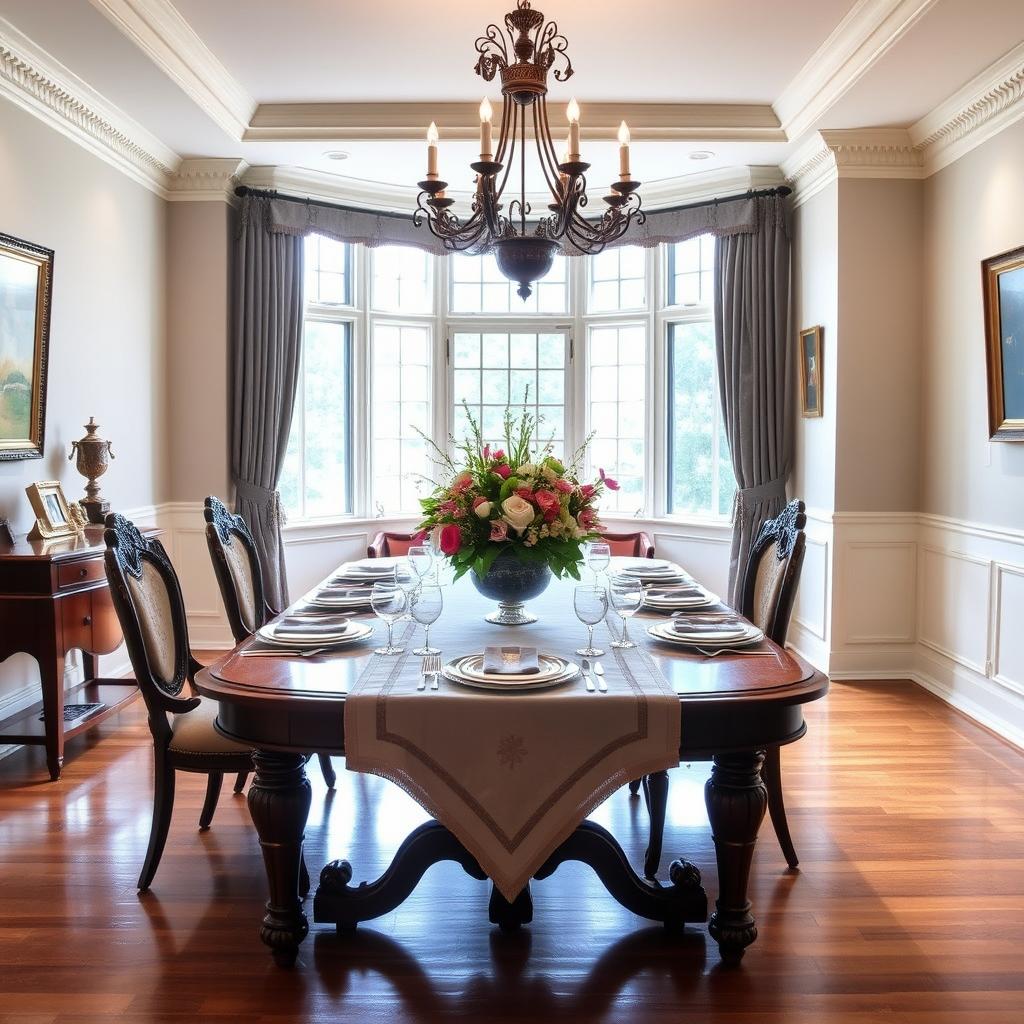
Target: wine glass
{"points": [[627, 597], [599, 557], [426, 603], [591, 604], [389, 602], [421, 559]]}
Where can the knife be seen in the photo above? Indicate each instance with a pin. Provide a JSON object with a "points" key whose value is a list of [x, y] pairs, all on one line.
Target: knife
{"points": [[586, 676], [599, 672]]}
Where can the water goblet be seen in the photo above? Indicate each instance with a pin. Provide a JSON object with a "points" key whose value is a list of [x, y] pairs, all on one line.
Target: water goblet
{"points": [[599, 557], [421, 560], [591, 604], [389, 602], [627, 597], [426, 603]]}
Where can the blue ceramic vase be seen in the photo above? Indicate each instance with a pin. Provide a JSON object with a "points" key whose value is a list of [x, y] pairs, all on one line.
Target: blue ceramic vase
{"points": [[511, 583]]}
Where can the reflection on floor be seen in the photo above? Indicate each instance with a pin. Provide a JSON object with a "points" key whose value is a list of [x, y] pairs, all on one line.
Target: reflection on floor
{"points": [[909, 905]]}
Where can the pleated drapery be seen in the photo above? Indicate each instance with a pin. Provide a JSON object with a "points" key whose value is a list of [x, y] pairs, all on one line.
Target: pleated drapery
{"points": [[751, 306], [267, 345]]}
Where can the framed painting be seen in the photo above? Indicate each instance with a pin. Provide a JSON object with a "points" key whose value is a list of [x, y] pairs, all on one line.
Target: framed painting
{"points": [[810, 372], [1003, 288], [26, 280]]}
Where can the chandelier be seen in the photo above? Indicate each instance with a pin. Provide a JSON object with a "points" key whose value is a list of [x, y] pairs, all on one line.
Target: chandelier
{"points": [[525, 249]]}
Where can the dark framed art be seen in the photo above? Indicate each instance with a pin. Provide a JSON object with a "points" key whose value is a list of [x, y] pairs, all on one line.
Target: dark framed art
{"points": [[26, 282], [1002, 281], [810, 371]]}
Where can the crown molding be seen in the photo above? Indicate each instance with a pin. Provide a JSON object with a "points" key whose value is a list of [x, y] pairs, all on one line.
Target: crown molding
{"points": [[987, 104], [869, 29], [156, 27], [41, 85], [206, 179], [459, 122]]}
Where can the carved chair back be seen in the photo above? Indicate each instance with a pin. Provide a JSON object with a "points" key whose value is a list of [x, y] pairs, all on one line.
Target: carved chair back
{"points": [[634, 545], [773, 572], [147, 598], [236, 564]]}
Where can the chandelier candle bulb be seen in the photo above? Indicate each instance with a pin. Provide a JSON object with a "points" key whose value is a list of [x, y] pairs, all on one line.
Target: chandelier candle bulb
{"points": [[624, 152], [432, 151], [486, 149], [573, 113]]}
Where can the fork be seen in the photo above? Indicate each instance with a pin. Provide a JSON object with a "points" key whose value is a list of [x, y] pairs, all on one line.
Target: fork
{"points": [[431, 666], [283, 652], [716, 651]]}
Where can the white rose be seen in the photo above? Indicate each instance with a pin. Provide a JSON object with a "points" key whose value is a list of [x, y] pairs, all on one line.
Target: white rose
{"points": [[483, 510], [527, 469], [517, 512]]}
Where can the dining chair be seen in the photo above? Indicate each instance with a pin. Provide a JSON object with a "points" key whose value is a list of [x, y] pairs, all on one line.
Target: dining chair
{"points": [[147, 598], [236, 564], [633, 545], [770, 581], [394, 545]]}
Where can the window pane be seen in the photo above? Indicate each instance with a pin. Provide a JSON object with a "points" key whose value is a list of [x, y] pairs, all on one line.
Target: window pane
{"points": [[618, 279], [691, 271], [401, 368], [617, 411], [328, 271], [401, 280], [700, 471], [479, 286]]}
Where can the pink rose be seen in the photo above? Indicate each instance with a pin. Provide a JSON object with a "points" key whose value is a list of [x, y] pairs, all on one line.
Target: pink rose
{"points": [[478, 501], [498, 455], [523, 492], [462, 483], [448, 508], [503, 471], [551, 515], [586, 491], [546, 500], [612, 485], [587, 518], [499, 529], [563, 485], [451, 540]]}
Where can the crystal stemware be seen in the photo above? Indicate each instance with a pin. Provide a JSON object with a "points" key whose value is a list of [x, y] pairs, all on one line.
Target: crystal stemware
{"points": [[421, 560], [390, 602], [591, 604], [627, 597], [426, 604], [599, 557]]}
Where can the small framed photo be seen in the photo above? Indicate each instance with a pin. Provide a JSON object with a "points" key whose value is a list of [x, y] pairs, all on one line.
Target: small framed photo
{"points": [[53, 515], [1003, 288], [810, 371]]}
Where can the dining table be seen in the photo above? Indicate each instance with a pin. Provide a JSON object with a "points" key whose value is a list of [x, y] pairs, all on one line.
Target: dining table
{"points": [[732, 707]]}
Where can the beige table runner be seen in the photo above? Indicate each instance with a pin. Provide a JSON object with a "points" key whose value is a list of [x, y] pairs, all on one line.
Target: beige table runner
{"points": [[511, 775]]}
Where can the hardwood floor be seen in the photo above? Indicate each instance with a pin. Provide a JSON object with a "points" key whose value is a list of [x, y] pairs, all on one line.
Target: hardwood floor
{"points": [[909, 904]]}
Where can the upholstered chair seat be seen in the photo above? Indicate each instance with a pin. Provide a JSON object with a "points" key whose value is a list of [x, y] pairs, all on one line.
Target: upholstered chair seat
{"points": [[193, 734]]}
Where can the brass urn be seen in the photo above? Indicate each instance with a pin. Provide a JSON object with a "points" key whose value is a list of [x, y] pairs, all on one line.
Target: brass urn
{"points": [[94, 455]]}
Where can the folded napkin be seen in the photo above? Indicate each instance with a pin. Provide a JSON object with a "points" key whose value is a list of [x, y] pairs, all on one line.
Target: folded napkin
{"points": [[511, 660], [292, 626], [346, 587], [682, 624], [683, 590]]}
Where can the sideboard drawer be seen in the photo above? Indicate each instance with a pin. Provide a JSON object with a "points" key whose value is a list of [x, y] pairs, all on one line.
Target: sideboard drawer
{"points": [[84, 570]]}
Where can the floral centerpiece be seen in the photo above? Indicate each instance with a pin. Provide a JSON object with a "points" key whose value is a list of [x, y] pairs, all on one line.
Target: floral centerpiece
{"points": [[512, 515]]}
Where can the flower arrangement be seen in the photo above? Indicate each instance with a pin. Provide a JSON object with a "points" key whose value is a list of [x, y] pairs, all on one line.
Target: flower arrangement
{"points": [[509, 499]]}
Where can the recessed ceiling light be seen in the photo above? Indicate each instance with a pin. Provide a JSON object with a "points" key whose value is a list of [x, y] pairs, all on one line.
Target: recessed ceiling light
{"points": [[336, 154], [701, 154]]}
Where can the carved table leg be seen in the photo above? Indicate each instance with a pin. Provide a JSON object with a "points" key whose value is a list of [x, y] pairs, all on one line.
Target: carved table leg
{"points": [[656, 795], [736, 800], [279, 799], [509, 916], [51, 676]]}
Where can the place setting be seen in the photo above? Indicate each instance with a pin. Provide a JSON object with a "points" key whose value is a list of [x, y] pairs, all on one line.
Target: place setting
{"points": [[711, 635], [298, 635], [510, 669]]}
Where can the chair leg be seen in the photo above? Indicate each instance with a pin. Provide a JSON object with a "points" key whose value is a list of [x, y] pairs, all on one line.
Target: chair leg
{"points": [[240, 781], [328, 769], [771, 774], [656, 795], [213, 784], [163, 804], [634, 787]]}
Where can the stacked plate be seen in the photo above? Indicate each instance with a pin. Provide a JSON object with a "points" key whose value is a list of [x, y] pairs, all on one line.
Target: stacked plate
{"points": [[670, 597], [347, 633], [713, 635], [469, 671], [654, 570], [368, 570], [347, 598]]}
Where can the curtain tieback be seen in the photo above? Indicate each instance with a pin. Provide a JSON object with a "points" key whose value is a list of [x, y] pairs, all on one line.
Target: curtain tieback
{"points": [[264, 497], [747, 497]]}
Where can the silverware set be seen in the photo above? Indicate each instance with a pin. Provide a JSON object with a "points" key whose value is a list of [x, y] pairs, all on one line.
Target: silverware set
{"points": [[430, 669], [597, 669], [277, 652]]}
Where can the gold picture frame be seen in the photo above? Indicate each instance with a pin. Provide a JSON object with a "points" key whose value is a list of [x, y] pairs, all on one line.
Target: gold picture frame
{"points": [[809, 358], [26, 281], [54, 517], [1002, 282]]}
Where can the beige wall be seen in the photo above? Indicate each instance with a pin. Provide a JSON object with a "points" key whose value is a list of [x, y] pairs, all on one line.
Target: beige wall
{"points": [[199, 242], [974, 208], [876, 357]]}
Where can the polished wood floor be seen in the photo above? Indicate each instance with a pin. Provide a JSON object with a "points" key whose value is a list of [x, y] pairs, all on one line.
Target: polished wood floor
{"points": [[909, 904]]}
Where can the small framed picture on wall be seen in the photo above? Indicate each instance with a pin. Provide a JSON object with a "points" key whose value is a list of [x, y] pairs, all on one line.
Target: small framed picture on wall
{"points": [[810, 371], [1003, 288]]}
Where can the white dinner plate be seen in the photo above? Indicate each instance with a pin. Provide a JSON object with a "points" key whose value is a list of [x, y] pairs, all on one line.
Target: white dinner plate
{"points": [[473, 666], [666, 632], [352, 632], [677, 603], [508, 684]]}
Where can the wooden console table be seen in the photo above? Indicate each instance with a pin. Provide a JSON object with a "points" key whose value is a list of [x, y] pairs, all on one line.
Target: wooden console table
{"points": [[53, 599]]}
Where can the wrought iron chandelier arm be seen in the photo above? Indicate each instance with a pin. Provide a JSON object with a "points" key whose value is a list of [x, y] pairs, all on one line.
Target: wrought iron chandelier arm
{"points": [[550, 174]]}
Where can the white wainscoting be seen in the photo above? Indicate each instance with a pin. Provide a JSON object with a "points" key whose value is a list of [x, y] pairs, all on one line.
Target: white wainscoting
{"points": [[810, 629]]}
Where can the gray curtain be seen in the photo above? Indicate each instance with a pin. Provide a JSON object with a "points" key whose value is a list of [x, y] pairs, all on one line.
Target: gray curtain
{"points": [[268, 307], [751, 300]]}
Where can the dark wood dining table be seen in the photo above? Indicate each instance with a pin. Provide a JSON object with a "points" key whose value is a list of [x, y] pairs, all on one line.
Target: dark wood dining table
{"points": [[732, 708]]}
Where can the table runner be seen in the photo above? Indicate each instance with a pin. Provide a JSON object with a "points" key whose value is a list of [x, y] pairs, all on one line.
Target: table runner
{"points": [[510, 775]]}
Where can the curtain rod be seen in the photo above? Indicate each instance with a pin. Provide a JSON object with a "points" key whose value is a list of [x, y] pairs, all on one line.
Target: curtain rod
{"points": [[245, 190]]}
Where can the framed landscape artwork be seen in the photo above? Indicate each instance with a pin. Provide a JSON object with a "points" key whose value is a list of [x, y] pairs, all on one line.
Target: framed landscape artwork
{"points": [[1003, 287], [810, 372], [26, 278]]}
